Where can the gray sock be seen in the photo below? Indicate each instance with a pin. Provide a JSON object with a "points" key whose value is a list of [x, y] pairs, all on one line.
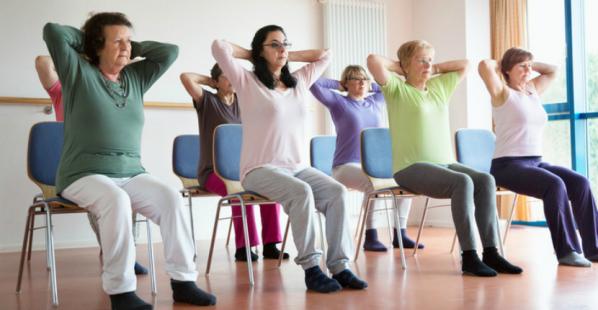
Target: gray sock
{"points": [[574, 259]]}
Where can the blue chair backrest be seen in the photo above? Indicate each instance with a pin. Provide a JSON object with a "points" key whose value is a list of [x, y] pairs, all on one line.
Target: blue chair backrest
{"points": [[185, 156], [228, 139], [43, 153], [321, 153], [376, 153], [475, 148]]}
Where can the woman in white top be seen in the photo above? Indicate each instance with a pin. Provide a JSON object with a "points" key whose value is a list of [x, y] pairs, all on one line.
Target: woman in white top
{"points": [[273, 103], [517, 165]]}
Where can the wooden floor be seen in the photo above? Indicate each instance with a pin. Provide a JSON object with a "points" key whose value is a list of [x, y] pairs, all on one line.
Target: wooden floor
{"points": [[432, 280]]}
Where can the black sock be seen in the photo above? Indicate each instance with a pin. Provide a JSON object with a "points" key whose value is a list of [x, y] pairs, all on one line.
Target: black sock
{"points": [[407, 242], [188, 292], [347, 279], [473, 265], [371, 242], [139, 269], [499, 263], [128, 301], [271, 252], [317, 281], [241, 255]]}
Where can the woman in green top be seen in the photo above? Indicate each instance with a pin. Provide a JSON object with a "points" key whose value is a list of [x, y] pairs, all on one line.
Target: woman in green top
{"points": [[418, 114], [100, 168]]}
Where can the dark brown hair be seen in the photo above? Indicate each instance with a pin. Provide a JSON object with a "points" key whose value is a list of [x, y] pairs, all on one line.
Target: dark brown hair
{"points": [[93, 32], [511, 57], [215, 72]]}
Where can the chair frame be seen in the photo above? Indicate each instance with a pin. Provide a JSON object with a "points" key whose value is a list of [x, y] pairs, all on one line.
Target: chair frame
{"points": [[240, 197], [47, 203]]}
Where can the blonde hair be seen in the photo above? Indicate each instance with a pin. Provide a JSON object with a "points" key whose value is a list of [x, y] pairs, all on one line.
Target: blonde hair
{"points": [[351, 71], [408, 49]]}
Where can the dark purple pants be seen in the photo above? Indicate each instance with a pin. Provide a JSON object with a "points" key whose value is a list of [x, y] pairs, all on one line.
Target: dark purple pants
{"points": [[555, 186]]}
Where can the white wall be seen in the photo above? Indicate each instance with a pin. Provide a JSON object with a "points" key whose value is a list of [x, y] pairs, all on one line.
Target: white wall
{"points": [[455, 27], [190, 24]]}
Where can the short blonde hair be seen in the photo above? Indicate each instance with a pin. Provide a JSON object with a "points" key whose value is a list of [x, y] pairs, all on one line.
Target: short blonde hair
{"points": [[408, 49], [351, 71]]}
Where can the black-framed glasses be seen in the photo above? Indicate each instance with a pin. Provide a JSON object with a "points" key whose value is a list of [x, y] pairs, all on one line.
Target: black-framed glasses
{"points": [[278, 45]]}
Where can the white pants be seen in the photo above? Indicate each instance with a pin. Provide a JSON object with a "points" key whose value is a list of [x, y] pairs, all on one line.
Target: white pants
{"points": [[112, 201], [351, 175]]}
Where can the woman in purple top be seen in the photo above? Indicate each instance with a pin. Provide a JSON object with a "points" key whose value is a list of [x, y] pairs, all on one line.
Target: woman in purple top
{"points": [[351, 113]]}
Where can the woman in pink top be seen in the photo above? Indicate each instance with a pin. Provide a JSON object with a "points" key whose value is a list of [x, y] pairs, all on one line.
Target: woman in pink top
{"points": [[273, 104], [517, 165]]}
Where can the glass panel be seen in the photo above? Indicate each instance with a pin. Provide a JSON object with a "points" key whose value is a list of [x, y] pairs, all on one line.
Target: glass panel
{"points": [[546, 32], [593, 153], [557, 143], [591, 33]]}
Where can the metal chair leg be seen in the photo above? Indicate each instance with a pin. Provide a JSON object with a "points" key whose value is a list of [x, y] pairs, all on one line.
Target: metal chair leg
{"points": [[247, 246], [150, 253], [192, 226], [363, 203], [362, 227], [500, 245], [284, 242], [30, 241], [52, 256], [230, 228], [214, 236], [390, 226], [24, 248], [399, 233], [454, 242], [48, 258], [510, 220], [421, 225]]}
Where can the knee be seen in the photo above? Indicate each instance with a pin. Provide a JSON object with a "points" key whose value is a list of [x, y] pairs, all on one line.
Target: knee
{"points": [[115, 202], [300, 190], [556, 186], [337, 190], [464, 182], [487, 180], [169, 198]]}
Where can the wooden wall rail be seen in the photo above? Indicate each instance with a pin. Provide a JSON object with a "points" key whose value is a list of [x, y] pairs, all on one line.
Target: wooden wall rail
{"points": [[43, 101]]}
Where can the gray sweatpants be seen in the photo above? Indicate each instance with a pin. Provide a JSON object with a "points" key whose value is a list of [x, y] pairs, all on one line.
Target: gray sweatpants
{"points": [[472, 194], [298, 193]]}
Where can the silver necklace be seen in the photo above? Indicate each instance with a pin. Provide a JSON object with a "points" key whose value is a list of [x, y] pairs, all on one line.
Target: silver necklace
{"points": [[118, 95]]}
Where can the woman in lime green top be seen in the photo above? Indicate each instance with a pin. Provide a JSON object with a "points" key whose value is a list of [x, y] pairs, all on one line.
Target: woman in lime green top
{"points": [[100, 168], [418, 113]]}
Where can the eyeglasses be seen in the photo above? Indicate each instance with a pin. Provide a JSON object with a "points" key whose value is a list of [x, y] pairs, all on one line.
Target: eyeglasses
{"points": [[277, 45], [360, 79]]}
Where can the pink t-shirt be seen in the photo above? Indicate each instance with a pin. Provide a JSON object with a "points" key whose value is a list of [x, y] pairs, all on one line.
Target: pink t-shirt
{"points": [[519, 124], [273, 121], [55, 92]]}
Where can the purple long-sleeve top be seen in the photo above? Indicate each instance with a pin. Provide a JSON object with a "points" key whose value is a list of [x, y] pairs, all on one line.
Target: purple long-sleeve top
{"points": [[350, 117]]}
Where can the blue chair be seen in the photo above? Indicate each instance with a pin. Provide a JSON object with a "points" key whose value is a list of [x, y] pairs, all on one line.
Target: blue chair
{"points": [[321, 153], [43, 155], [376, 162], [475, 148], [227, 156], [185, 161]]}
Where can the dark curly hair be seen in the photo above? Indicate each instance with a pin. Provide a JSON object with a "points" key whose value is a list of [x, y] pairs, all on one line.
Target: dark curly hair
{"points": [[260, 65], [93, 32]]}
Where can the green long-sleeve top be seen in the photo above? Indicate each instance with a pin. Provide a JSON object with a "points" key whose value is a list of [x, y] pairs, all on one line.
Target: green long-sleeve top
{"points": [[102, 127]]}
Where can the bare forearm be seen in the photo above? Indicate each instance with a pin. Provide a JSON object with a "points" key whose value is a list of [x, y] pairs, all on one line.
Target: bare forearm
{"points": [[451, 66], [385, 63], [307, 55], [240, 52], [544, 68], [198, 79]]}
